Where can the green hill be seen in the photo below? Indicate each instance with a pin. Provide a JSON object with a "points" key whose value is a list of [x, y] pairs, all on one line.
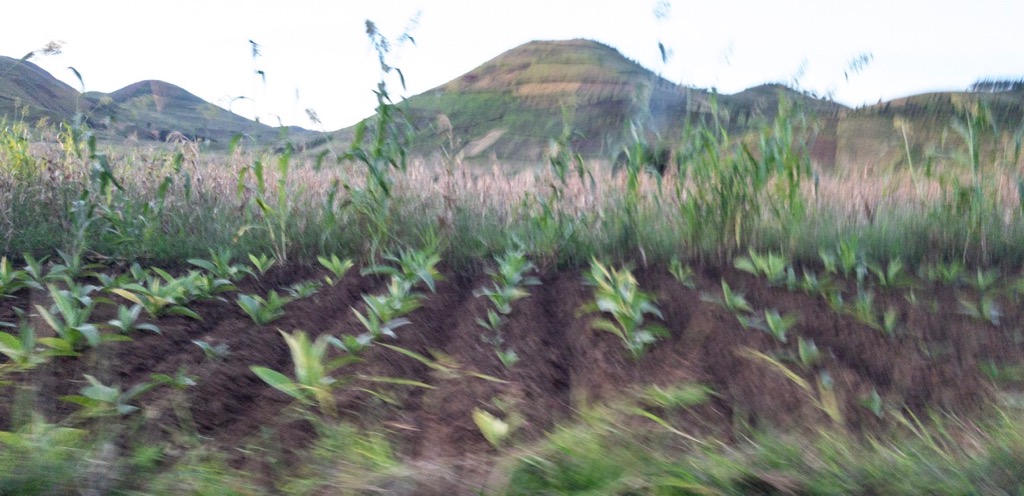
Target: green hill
{"points": [[29, 93], [510, 107], [147, 110], [874, 136], [155, 109]]}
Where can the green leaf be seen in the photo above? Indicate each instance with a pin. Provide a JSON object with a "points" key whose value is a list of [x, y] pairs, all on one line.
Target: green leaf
{"points": [[279, 382], [493, 429]]}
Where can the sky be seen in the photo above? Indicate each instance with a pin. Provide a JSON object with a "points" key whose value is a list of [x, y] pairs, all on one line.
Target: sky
{"points": [[316, 54]]}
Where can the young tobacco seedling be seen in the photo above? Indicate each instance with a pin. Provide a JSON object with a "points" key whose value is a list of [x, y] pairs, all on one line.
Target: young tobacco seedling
{"points": [[863, 309], [263, 311], [733, 302], [304, 289], [985, 280], [779, 325], [220, 265], [513, 268], [20, 351], [683, 273], [770, 266], [385, 313], [985, 310], [822, 395], [262, 263], [35, 271], [314, 372], [127, 320], [12, 281], [162, 294], [99, 400], [949, 274], [213, 352], [411, 265], [616, 292], [889, 276], [508, 281], [69, 319], [337, 267]]}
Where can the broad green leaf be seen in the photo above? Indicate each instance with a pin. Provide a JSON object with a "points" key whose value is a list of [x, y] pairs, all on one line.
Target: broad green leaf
{"points": [[278, 381]]}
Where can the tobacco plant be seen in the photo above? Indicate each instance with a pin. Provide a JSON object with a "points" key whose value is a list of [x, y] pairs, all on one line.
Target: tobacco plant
{"points": [[314, 371], [127, 320], [386, 312], [338, 267], [889, 276], [771, 266], [410, 266], [12, 281], [508, 282], [69, 319], [683, 273], [100, 400], [263, 311], [985, 310], [162, 294], [262, 262], [220, 265], [616, 292], [20, 350], [304, 289], [734, 302]]}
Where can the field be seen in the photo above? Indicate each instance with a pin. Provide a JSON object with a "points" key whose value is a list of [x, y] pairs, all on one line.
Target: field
{"points": [[265, 321]]}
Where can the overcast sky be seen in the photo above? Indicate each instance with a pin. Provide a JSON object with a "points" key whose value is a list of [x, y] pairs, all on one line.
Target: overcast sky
{"points": [[315, 54]]}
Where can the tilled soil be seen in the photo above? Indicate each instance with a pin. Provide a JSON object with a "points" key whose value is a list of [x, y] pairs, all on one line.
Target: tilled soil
{"points": [[933, 362]]}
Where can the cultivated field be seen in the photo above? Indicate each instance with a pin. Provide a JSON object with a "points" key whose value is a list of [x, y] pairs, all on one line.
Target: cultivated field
{"points": [[267, 321]]}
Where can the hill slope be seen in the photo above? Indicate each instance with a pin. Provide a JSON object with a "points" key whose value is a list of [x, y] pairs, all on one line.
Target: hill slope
{"points": [[155, 109], [147, 110], [510, 107], [874, 136], [30, 93]]}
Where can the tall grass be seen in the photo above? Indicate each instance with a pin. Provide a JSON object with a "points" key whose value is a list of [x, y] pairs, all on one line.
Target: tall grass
{"points": [[726, 194]]}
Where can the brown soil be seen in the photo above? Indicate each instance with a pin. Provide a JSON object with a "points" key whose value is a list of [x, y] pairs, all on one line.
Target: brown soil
{"points": [[932, 363]]}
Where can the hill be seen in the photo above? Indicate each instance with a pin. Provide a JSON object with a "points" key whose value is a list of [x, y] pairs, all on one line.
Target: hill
{"points": [[30, 93], [155, 109], [510, 107], [873, 136], [146, 110]]}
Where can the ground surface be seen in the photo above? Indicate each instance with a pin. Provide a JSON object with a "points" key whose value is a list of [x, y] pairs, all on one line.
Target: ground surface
{"points": [[932, 362]]}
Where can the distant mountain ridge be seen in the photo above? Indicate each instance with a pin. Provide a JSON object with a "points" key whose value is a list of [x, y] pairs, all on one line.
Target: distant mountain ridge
{"points": [[146, 110], [510, 107]]}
